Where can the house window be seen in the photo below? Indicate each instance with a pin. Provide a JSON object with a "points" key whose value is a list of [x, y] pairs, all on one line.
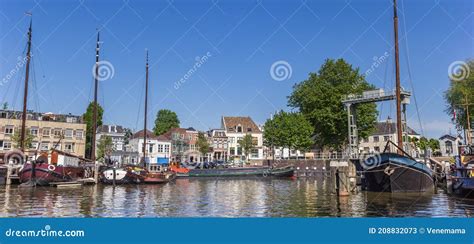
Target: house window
{"points": [[150, 148], [71, 119], [254, 153], [79, 134], [46, 132], [69, 147], [239, 151], [9, 130], [160, 148], [254, 140], [57, 133], [34, 145], [377, 149], [68, 133], [449, 147], [167, 148], [239, 128], [34, 131], [7, 145], [44, 146], [386, 138], [1, 144], [249, 129], [376, 139], [232, 151]]}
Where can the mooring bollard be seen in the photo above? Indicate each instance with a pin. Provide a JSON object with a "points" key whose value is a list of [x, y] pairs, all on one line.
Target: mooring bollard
{"points": [[9, 173], [114, 176]]}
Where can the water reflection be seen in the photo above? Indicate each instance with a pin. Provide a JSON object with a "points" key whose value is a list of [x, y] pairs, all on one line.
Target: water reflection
{"points": [[223, 198]]}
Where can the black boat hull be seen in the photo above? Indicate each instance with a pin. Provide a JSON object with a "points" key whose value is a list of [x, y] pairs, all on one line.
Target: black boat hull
{"points": [[122, 176], [463, 187], [242, 172], [395, 173]]}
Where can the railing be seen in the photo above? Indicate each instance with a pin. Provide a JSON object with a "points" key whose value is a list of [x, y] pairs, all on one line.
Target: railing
{"points": [[374, 95], [318, 156]]}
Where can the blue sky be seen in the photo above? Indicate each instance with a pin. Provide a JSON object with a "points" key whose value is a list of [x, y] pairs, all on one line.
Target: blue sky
{"points": [[241, 39]]}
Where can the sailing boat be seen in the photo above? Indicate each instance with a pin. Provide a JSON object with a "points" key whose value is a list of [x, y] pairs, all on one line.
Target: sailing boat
{"points": [[38, 171], [154, 174], [463, 171], [111, 175], [397, 172]]}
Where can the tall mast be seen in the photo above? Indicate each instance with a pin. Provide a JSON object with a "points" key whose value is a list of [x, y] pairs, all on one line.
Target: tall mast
{"points": [[96, 85], [146, 111], [25, 95], [468, 127], [397, 76]]}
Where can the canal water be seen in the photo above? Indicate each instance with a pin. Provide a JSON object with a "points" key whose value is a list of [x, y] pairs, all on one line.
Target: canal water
{"points": [[224, 198]]}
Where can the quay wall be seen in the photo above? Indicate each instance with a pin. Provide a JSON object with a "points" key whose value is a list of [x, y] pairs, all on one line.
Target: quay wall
{"points": [[303, 167]]}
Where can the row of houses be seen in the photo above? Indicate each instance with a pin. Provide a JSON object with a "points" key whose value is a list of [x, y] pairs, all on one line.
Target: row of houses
{"points": [[181, 144], [66, 132]]}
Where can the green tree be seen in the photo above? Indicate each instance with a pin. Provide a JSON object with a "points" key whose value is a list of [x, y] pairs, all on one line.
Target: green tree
{"points": [[203, 144], [247, 144], [104, 147], [165, 120], [433, 144], [16, 138], [5, 106], [88, 117], [289, 130], [424, 143], [460, 96], [319, 99], [128, 135]]}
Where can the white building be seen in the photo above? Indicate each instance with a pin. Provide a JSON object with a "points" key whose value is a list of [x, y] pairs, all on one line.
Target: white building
{"points": [[384, 131], [236, 128], [158, 148], [449, 145]]}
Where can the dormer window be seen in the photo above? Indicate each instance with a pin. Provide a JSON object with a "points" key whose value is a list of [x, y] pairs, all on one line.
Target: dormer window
{"points": [[71, 120], [239, 128], [249, 129]]}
